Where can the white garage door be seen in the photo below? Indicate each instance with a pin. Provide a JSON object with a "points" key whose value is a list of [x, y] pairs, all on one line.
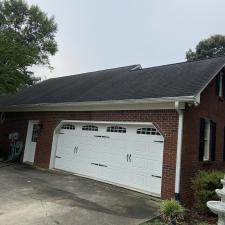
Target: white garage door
{"points": [[124, 154]]}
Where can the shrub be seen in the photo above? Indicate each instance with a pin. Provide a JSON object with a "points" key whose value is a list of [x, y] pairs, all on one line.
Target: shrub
{"points": [[204, 185], [203, 223], [154, 222], [172, 212]]}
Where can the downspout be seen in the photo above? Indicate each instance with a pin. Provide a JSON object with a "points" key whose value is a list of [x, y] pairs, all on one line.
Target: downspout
{"points": [[179, 149]]}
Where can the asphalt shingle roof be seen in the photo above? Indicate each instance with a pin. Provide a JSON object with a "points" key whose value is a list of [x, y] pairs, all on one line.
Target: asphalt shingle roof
{"points": [[173, 80]]}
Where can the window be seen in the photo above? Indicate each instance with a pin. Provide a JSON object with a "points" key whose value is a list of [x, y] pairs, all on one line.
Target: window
{"points": [[220, 85], [68, 126], [224, 143], [148, 131], [207, 146], [116, 129], [90, 128], [2, 117], [206, 140], [35, 133]]}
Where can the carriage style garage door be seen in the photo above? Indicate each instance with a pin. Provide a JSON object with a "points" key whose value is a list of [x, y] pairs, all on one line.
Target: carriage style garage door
{"points": [[129, 155]]}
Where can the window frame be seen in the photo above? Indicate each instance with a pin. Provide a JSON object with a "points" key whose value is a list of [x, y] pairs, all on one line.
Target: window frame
{"points": [[68, 126], [148, 131], [224, 143], [116, 129], [220, 85], [207, 138], [87, 126], [35, 132], [207, 143]]}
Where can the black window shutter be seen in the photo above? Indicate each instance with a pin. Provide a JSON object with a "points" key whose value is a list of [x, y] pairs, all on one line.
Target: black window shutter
{"points": [[223, 86], [224, 144], [218, 84], [201, 141], [213, 140]]}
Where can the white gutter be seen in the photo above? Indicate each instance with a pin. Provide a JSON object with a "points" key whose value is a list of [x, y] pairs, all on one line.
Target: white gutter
{"points": [[179, 150], [100, 105]]}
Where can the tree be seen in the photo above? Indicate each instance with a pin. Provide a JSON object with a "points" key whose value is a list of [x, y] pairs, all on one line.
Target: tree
{"points": [[27, 38], [207, 48]]}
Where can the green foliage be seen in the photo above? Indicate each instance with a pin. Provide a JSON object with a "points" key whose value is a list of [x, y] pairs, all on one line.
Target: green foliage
{"points": [[159, 222], [203, 223], [172, 211], [204, 185], [27, 37], [156, 222], [207, 48]]}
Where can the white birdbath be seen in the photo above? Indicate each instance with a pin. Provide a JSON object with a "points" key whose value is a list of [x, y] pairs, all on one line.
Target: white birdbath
{"points": [[218, 207]]}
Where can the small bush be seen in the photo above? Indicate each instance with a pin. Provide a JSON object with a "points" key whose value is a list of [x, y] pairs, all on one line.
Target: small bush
{"points": [[172, 212], [203, 223], [204, 185], [154, 222]]}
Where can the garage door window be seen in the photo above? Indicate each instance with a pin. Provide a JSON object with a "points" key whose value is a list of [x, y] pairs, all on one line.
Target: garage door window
{"points": [[148, 131], [68, 127], [116, 129], [90, 128]]}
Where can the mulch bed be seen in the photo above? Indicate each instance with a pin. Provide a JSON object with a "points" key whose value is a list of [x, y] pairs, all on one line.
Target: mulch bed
{"points": [[192, 217]]}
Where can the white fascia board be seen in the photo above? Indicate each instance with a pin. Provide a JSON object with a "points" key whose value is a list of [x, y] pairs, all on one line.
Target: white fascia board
{"points": [[204, 87], [129, 104], [107, 122]]}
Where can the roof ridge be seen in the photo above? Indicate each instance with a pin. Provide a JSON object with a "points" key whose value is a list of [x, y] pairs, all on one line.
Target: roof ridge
{"points": [[185, 62], [81, 74], [133, 65], [90, 72]]}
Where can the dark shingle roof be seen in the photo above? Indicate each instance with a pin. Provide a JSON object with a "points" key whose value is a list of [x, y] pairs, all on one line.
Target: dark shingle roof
{"points": [[174, 80]]}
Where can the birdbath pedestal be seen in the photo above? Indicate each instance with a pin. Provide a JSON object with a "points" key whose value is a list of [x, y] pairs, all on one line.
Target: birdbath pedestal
{"points": [[218, 207]]}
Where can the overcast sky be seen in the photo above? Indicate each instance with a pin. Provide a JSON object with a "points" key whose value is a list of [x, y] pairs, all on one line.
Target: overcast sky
{"points": [[99, 34]]}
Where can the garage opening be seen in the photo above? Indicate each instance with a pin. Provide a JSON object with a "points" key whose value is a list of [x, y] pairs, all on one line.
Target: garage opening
{"points": [[121, 153]]}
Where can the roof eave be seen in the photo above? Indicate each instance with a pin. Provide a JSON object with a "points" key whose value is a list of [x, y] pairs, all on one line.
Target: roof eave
{"points": [[208, 82], [127, 104]]}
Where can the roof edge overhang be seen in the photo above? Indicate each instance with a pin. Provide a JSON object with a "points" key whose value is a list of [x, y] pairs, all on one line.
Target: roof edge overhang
{"points": [[209, 81], [127, 104]]}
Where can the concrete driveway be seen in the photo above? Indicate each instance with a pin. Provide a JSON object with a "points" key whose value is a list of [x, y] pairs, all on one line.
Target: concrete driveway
{"points": [[30, 196]]}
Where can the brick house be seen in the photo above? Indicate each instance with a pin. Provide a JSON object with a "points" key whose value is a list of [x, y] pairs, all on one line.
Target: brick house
{"points": [[150, 130]]}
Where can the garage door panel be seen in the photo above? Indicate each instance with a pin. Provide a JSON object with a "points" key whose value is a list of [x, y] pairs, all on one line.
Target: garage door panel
{"points": [[65, 152], [116, 175], [145, 163], [146, 182], [148, 155], [147, 146], [92, 152], [64, 140], [114, 153], [60, 164]]}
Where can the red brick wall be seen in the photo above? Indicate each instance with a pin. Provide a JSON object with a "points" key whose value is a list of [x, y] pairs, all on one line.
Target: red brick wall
{"points": [[210, 107], [166, 120]]}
